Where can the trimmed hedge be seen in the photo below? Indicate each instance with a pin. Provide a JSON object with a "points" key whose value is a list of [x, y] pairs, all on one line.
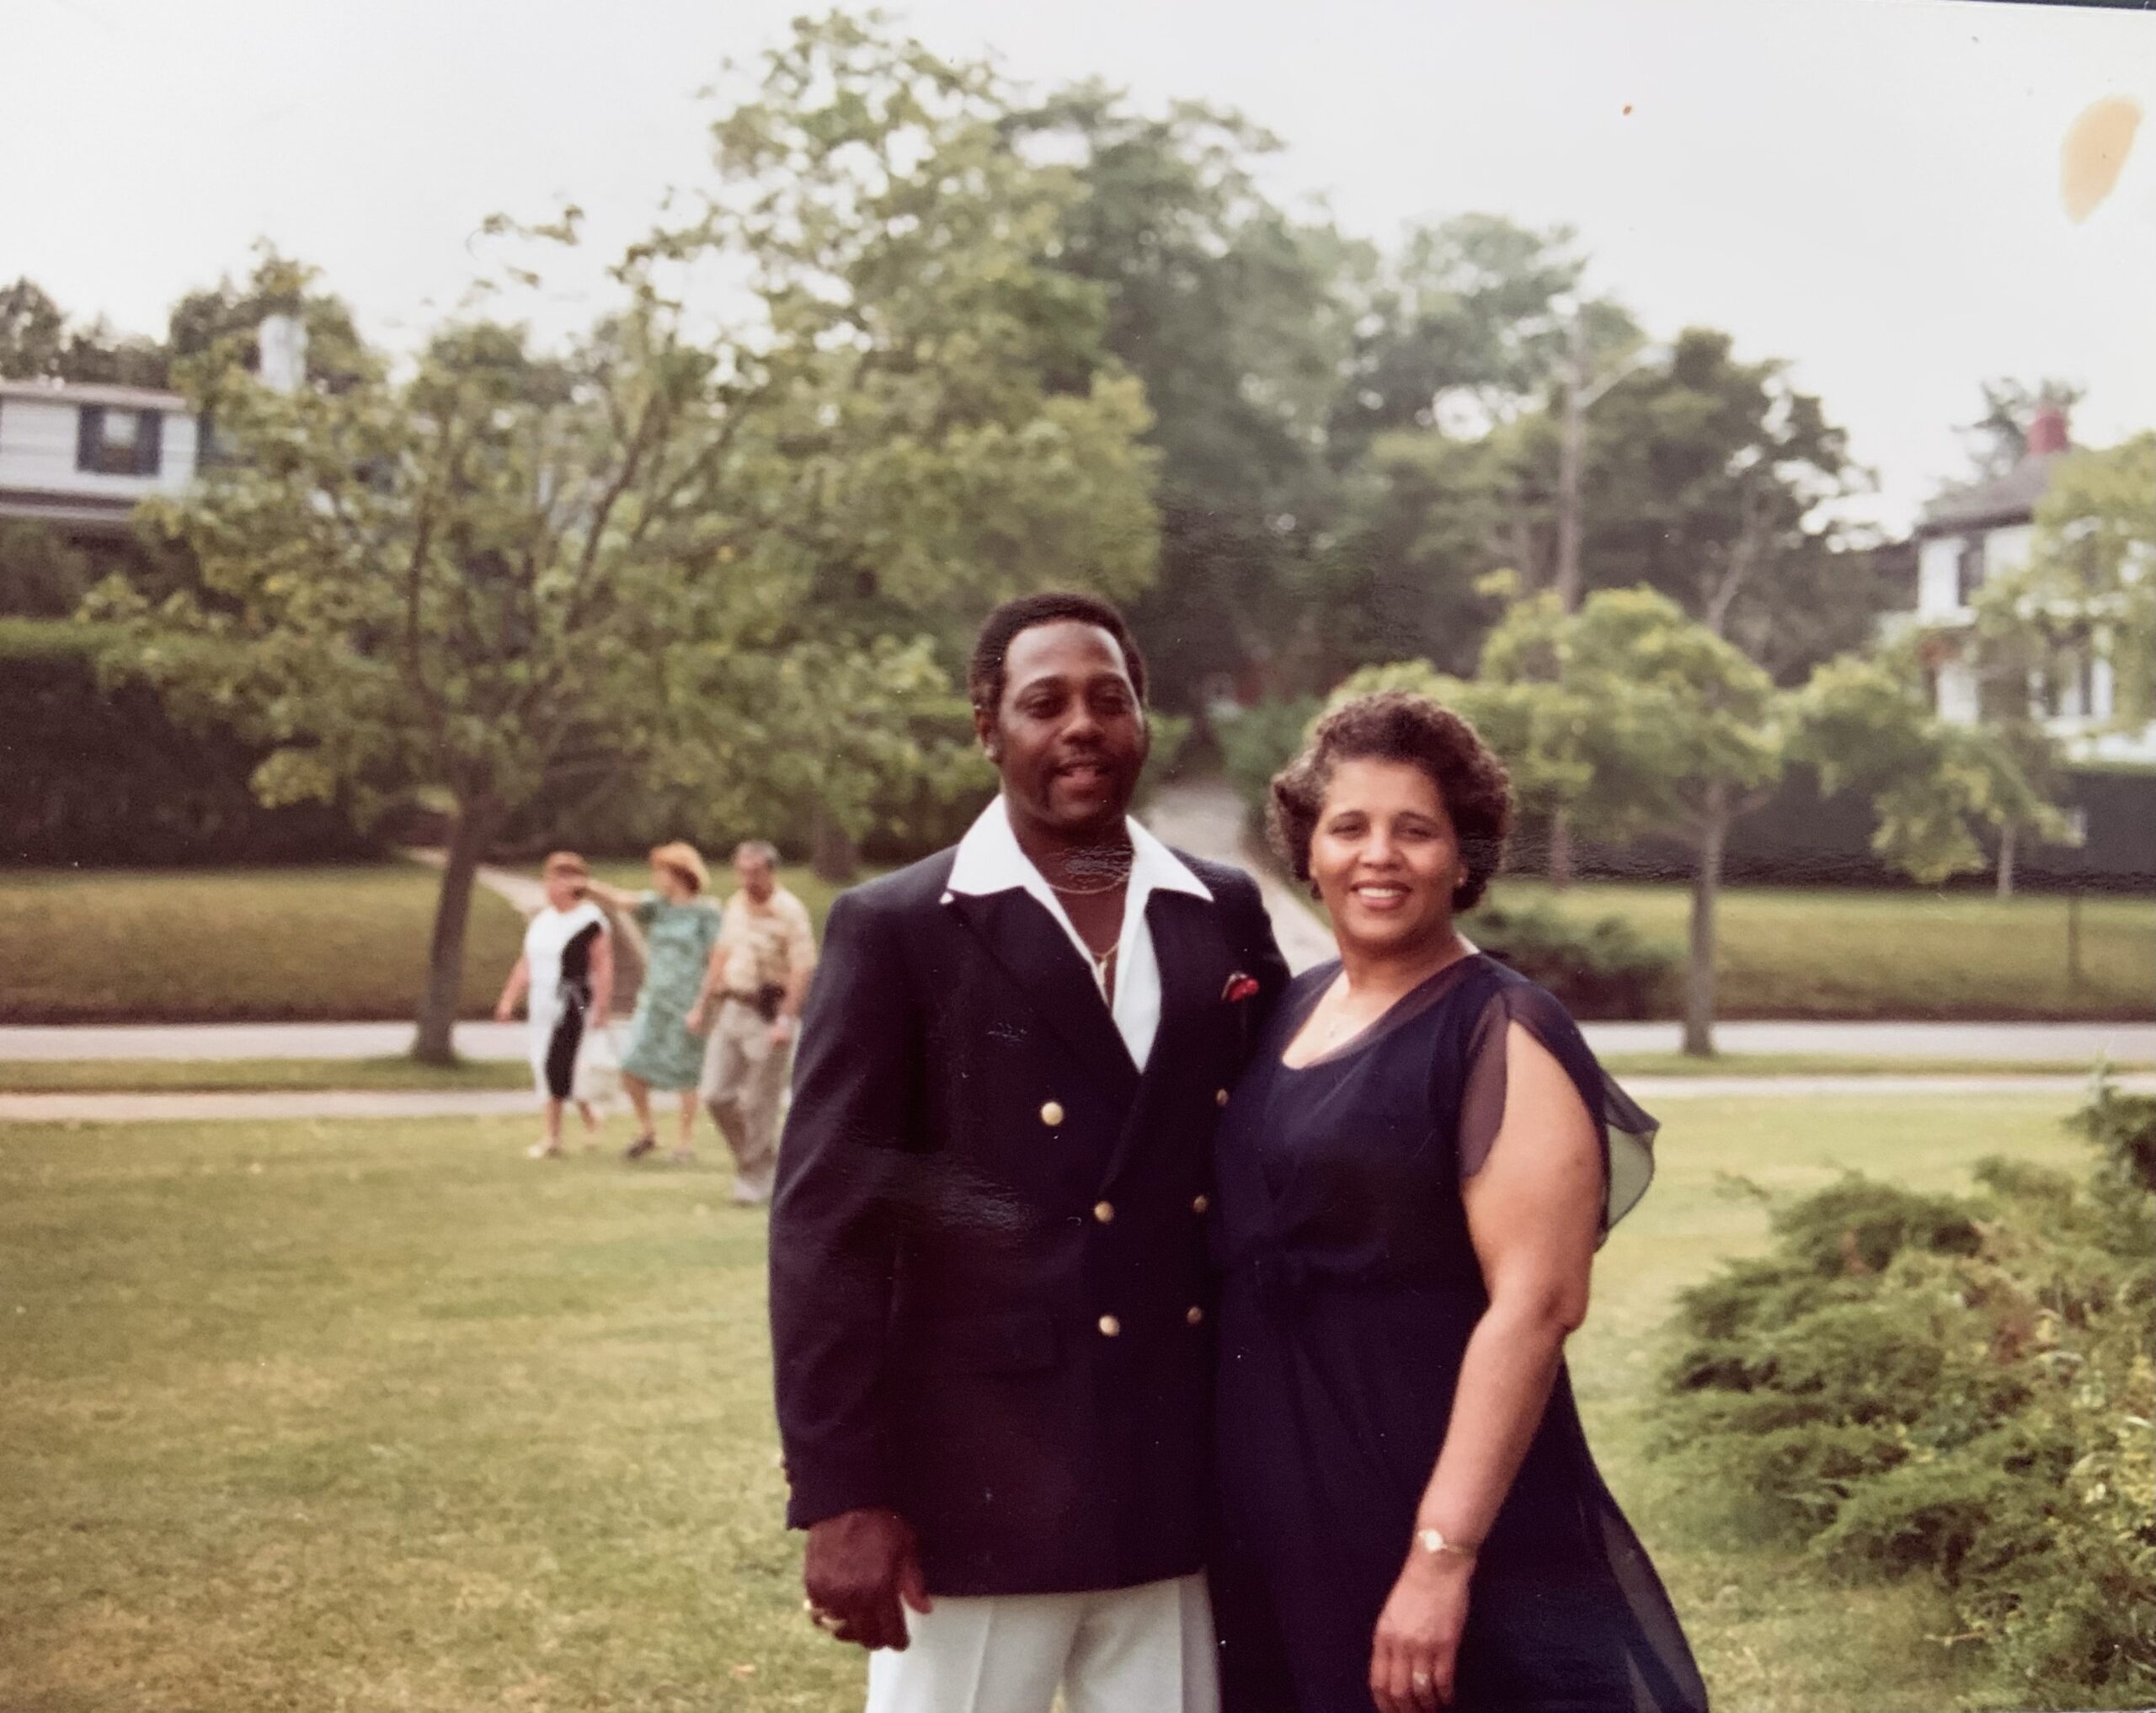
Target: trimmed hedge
{"points": [[94, 777], [1600, 969]]}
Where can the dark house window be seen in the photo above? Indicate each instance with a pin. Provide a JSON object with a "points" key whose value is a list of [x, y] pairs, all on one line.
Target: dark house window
{"points": [[1969, 571], [110, 442]]}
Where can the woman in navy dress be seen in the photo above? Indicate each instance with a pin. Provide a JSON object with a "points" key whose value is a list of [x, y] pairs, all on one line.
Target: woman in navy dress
{"points": [[1412, 1179]]}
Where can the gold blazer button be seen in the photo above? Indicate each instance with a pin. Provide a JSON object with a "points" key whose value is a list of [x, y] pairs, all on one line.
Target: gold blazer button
{"points": [[1110, 1327], [1052, 1114], [1201, 1204], [1220, 1099], [1104, 1211], [1194, 1315]]}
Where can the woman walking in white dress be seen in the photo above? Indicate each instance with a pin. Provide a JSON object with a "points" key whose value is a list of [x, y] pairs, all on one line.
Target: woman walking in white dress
{"points": [[568, 972]]}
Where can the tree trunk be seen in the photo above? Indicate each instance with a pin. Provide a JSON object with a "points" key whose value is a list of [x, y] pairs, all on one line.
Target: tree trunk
{"points": [[832, 852], [1706, 887], [470, 832], [1572, 453], [1560, 868], [2006, 843]]}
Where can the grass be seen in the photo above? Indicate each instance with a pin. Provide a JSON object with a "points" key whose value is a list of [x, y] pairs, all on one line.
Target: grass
{"points": [[331, 944], [184, 1076], [375, 1416], [1791, 952], [227, 1075], [350, 943], [234, 945], [1836, 1064]]}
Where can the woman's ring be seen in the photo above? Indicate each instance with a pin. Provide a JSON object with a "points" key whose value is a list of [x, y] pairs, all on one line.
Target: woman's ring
{"points": [[1421, 1680]]}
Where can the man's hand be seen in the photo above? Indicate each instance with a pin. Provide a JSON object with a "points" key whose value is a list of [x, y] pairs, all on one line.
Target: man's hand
{"points": [[859, 1565], [695, 1021]]}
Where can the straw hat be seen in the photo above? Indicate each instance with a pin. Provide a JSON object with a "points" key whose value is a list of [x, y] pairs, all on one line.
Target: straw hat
{"points": [[683, 858]]}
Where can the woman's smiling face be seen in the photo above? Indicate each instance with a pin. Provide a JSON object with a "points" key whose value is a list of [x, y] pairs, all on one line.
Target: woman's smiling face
{"points": [[1383, 856]]}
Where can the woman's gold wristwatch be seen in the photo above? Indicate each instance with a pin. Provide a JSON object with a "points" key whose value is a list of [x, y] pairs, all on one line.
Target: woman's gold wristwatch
{"points": [[1433, 1541]]}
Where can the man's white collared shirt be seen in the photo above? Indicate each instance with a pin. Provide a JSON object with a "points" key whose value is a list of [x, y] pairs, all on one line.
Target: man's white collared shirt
{"points": [[990, 860]]}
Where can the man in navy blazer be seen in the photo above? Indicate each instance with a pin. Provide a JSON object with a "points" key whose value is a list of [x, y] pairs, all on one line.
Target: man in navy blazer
{"points": [[989, 1282]]}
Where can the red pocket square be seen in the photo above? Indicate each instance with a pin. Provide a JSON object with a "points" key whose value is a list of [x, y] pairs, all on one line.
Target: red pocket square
{"points": [[1240, 987]]}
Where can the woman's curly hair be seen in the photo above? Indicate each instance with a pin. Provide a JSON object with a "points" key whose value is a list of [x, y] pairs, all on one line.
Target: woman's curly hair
{"points": [[1398, 725]]}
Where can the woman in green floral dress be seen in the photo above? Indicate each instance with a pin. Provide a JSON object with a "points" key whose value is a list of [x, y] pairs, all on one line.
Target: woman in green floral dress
{"points": [[679, 924]]}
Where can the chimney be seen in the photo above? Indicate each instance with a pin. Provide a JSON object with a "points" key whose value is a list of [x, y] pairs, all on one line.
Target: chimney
{"points": [[2047, 431], [282, 341]]}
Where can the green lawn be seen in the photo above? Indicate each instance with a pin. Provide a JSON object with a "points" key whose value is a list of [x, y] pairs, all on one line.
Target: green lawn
{"points": [[234, 945], [1787, 953], [248, 945], [384, 1415], [1834, 1064], [165, 1075], [225, 1075]]}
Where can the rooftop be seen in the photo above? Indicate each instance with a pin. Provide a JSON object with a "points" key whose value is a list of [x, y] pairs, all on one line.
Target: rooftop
{"points": [[2000, 499], [86, 393]]}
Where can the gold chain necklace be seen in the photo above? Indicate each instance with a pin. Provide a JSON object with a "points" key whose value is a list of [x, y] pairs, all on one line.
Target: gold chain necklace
{"points": [[1107, 886]]}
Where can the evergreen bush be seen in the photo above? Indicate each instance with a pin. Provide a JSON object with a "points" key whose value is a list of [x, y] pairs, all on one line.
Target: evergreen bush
{"points": [[1959, 1388]]}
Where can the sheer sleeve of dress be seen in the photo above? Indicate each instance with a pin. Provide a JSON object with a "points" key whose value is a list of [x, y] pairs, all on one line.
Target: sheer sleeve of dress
{"points": [[1627, 1133]]}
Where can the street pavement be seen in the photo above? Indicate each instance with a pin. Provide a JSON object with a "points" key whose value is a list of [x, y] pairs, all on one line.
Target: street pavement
{"points": [[1651, 1091]]}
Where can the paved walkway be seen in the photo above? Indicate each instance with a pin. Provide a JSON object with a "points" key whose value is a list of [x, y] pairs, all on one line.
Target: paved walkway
{"points": [[1653, 1091]]}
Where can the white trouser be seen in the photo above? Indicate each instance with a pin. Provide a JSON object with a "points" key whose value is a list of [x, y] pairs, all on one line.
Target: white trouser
{"points": [[1142, 1650]]}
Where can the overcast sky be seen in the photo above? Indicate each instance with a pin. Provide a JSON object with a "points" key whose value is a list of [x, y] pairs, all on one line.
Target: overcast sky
{"points": [[1868, 189]]}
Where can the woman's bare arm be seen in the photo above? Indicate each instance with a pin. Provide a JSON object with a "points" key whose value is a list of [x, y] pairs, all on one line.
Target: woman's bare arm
{"points": [[1533, 1212], [519, 978]]}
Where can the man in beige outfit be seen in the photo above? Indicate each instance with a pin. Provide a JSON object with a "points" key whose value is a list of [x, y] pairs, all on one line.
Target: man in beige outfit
{"points": [[752, 994]]}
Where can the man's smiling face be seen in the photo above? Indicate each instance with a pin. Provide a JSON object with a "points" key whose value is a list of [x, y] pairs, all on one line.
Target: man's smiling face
{"points": [[1070, 736]]}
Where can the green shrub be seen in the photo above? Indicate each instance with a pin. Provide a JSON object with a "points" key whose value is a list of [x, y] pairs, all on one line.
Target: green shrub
{"points": [[1257, 742], [102, 776], [1602, 969], [1916, 1384]]}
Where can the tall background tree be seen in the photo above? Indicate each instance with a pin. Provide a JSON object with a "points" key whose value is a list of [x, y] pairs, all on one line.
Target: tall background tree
{"points": [[672, 550]]}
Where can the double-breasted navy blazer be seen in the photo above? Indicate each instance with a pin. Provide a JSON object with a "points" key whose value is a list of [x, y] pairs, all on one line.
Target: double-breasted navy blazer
{"points": [[990, 1295]]}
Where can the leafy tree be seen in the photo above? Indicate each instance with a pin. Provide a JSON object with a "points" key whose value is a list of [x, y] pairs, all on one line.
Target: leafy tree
{"points": [[2090, 583], [1473, 313], [928, 420], [457, 580], [1866, 724], [734, 565], [33, 333], [1634, 719], [1703, 479], [38, 342], [224, 321], [1999, 440], [42, 574], [1424, 522], [1225, 308]]}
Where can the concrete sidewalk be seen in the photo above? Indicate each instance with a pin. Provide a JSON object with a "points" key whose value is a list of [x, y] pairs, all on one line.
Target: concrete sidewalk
{"points": [[1651, 1091]]}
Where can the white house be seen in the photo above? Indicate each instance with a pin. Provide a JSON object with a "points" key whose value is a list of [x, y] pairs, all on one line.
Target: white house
{"points": [[1973, 534], [80, 455]]}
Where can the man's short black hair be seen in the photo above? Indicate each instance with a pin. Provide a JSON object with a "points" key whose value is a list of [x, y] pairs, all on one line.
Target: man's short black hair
{"points": [[985, 679]]}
